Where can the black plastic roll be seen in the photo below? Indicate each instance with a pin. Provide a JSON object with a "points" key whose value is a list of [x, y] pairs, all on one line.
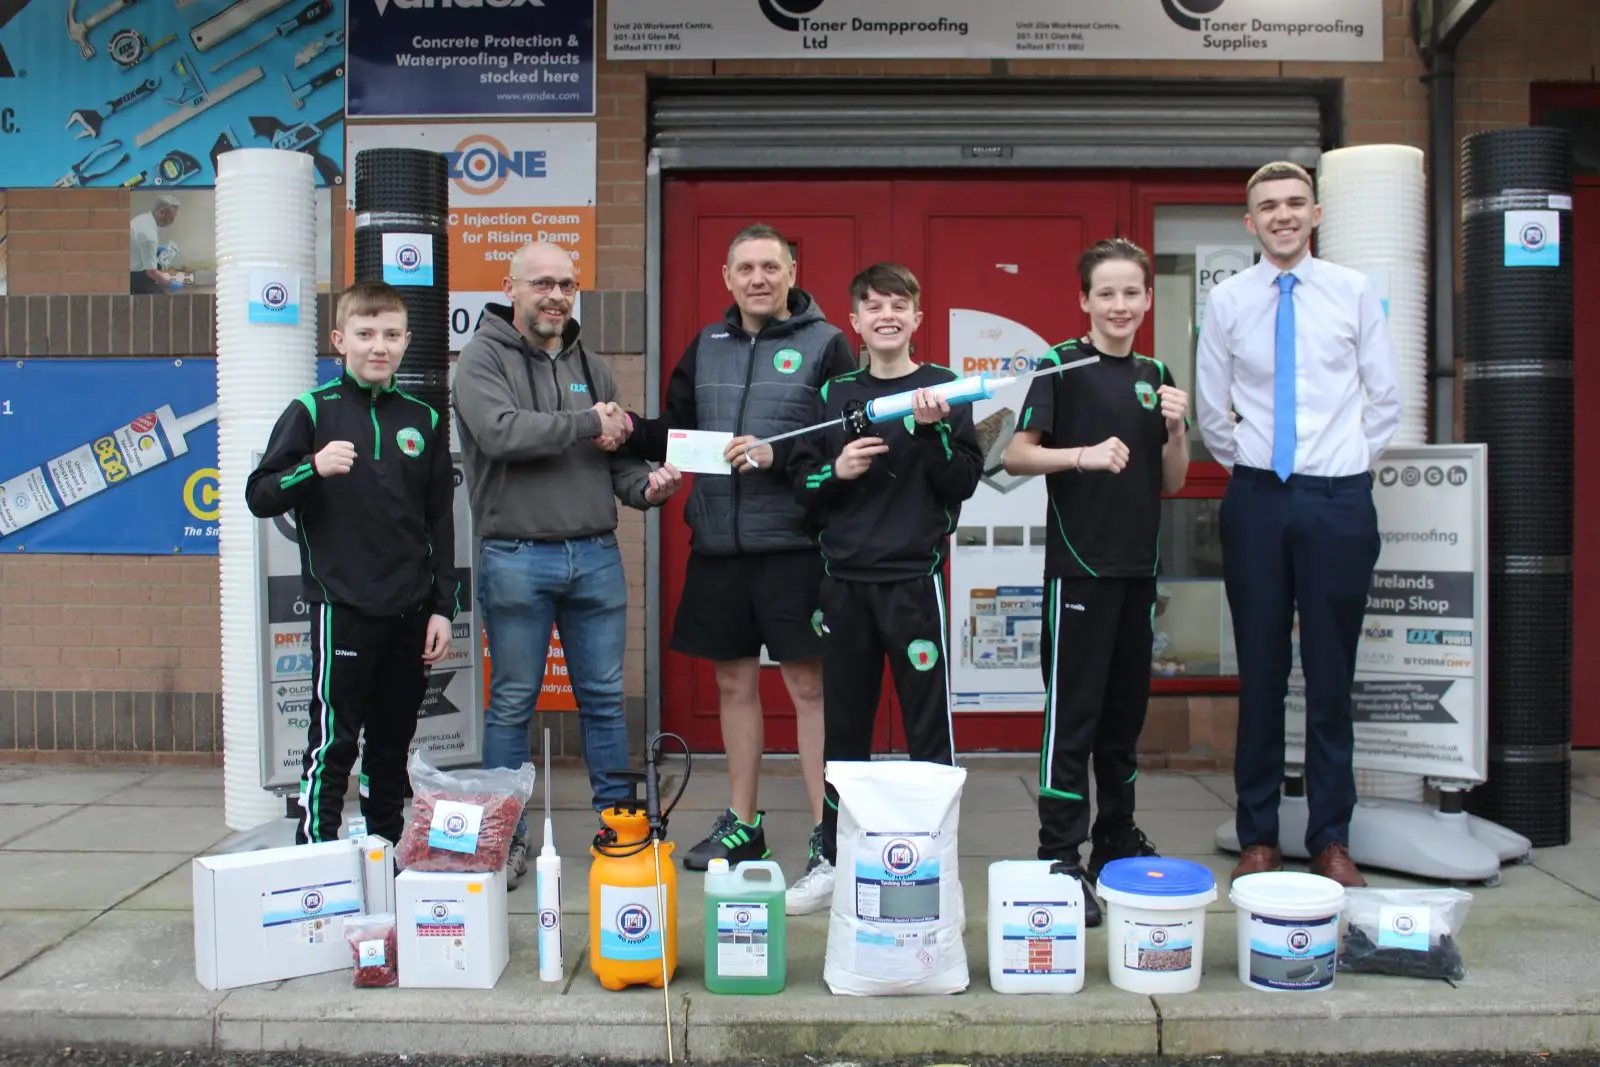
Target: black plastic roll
{"points": [[1530, 459], [1519, 157], [1509, 311], [1530, 793], [402, 179], [1530, 661]]}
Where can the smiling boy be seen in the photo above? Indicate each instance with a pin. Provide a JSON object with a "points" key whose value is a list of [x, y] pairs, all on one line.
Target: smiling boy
{"points": [[884, 505], [366, 469]]}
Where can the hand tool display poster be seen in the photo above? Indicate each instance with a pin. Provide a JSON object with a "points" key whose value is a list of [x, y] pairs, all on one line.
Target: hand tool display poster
{"points": [[112, 456], [997, 562], [448, 727], [1421, 666], [510, 183], [107, 93], [501, 59]]}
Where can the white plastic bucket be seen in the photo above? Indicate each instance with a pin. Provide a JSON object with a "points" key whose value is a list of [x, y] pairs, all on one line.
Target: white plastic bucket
{"points": [[1156, 922], [1036, 929], [1288, 930]]}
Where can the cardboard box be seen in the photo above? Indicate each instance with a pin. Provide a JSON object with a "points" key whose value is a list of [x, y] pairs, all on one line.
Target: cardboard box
{"points": [[274, 914], [453, 929]]}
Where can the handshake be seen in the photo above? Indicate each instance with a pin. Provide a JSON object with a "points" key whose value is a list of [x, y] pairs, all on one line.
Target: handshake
{"points": [[615, 426]]}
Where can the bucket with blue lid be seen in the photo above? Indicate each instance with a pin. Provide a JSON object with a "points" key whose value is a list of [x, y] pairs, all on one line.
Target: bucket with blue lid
{"points": [[1156, 922]]}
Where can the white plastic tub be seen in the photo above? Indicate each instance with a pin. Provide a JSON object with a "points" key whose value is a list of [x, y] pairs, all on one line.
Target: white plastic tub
{"points": [[1035, 928], [1288, 930], [1156, 923]]}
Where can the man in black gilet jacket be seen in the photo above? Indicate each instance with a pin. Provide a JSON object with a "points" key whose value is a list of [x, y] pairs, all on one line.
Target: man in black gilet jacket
{"points": [[754, 574]]}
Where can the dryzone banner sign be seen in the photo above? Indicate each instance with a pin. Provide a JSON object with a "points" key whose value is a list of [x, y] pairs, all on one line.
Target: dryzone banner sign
{"points": [[1421, 685], [450, 725], [510, 184], [470, 58], [141, 95], [1349, 31]]}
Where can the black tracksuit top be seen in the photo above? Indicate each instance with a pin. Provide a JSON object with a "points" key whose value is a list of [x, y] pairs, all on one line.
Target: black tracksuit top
{"points": [[379, 539]]}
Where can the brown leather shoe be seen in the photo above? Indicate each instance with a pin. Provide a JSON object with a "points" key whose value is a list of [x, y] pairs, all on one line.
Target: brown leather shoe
{"points": [[1334, 862], [1258, 859]]}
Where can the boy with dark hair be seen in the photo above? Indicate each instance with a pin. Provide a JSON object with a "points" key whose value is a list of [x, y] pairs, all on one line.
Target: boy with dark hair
{"points": [[1109, 441], [366, 469], [883, 507]]}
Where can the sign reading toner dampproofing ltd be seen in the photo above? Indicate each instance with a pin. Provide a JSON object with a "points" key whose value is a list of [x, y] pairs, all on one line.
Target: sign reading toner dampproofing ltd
{"points": [[1332, 30]]}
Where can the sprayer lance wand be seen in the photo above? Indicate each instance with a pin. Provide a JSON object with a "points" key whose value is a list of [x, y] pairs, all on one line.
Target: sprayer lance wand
{"points": [[897, 405], [652, 811]]}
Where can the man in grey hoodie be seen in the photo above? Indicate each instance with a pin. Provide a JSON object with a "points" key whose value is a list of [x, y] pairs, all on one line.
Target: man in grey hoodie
{"points": [[539, 421]]}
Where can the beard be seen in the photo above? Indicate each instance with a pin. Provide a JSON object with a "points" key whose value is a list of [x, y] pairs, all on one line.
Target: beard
{"points": [[544, 327]]}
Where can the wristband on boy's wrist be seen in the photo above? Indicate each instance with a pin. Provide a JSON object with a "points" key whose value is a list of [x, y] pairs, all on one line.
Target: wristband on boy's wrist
{"points": [[1077, 461]]}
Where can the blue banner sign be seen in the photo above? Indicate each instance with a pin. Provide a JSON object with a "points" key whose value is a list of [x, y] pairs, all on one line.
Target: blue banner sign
{"points": [[146, 95], [113, 456], [438, 59]]}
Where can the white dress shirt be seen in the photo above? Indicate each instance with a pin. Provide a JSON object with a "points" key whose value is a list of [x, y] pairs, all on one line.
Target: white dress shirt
{"points": [[1342, 351]]}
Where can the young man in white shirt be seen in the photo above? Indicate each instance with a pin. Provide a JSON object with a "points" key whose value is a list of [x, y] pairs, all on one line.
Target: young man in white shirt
{"points": [[1296, 334]]}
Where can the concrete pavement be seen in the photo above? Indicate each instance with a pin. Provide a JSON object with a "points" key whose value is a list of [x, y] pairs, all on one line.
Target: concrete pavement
{"points": [[96, 947]]}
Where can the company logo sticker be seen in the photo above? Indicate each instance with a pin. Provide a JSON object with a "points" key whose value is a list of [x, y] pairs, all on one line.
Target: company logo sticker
{"points": [[274, 298], [924, 655], [633, 923], [410, 442], [900, 857], [481, 164], [785, 14], [408, 259], [787, 360], [1189, 13]]}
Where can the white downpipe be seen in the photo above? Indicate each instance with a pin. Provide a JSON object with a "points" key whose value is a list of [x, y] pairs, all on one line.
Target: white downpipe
{"points": [[266, 220], [1375, 220]]}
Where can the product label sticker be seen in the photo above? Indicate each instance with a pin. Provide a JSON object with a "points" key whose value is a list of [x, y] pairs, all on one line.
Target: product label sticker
{"points": [[742, 940], [1158, 946], [455, 826], [1293, 953], [282, 907], [274, 298], [897, 877], [1039, 937], [628, 927], [1560, 202], [372, 953], [1533, 239], [25, 500], [441, 917], [1404, 928], [408, 259]]}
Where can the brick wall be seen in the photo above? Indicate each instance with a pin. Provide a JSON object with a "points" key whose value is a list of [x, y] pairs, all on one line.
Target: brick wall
{"points": [[63, 689]]}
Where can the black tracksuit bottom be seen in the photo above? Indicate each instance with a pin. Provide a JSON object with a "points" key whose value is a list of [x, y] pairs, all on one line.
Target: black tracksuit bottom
{"points": [[367, 678], [861, 623], [1096, 659]]}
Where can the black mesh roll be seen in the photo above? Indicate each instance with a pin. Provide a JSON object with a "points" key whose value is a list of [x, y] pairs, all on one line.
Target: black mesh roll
{"points": [[406, 191], [1517, 399], [1534, 798]]}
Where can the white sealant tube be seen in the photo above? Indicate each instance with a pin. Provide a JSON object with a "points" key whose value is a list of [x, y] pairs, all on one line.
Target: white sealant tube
{"points": [[547, 890], [126, 452]]}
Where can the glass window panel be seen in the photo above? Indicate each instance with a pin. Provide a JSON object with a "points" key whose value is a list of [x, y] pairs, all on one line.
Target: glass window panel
{"points": [[1196, 246], [1193, 630]]}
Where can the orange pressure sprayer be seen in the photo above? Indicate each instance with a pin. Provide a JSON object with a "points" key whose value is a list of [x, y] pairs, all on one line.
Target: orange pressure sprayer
{"points": [[633, 886]]}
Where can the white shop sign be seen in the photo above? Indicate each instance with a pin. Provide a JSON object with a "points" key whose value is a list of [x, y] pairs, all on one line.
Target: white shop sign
{"points": [[1421, 690], [1349, 31]]}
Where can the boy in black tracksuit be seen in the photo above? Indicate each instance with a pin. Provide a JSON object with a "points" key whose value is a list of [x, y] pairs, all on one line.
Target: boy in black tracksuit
{"points": [[366, 469], [884, 506], [1110, 438]]}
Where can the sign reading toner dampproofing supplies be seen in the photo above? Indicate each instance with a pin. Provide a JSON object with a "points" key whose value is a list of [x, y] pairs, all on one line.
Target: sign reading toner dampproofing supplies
{"points": [[510, 184], [1349, 31], [1421, 687]]}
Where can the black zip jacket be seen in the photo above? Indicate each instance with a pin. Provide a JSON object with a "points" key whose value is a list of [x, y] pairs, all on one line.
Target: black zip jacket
{"points": [[894, 521], [381, 538]]}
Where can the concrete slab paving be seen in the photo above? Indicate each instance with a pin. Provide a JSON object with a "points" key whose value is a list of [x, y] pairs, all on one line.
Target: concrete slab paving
{"points": [[75, 881], [77, 786], [115, 828], [18, 819], [1577, 867], [23, 935], [151, 795]]}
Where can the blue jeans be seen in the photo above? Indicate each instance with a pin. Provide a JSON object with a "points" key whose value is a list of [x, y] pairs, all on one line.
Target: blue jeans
{"points": [[578, 586]]}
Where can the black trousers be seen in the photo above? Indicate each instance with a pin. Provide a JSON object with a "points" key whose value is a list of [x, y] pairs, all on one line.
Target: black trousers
{"points": [[367, 677], [1309, 543], [862, 622], [1096, 660]]}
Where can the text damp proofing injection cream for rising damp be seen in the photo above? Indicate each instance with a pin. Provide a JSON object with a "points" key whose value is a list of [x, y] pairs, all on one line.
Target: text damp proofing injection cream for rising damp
{"points": [[898, 914], [1035, 928], [1156, 923], [746, 942], [1288, 930]]}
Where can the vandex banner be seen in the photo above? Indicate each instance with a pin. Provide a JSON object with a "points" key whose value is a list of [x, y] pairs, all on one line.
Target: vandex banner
{"points": [[1276, 30], [144, 95]]}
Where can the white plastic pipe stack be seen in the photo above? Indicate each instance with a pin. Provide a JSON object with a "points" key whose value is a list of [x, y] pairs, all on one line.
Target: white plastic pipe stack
{"points": [[1374, 219], [266, 229]]}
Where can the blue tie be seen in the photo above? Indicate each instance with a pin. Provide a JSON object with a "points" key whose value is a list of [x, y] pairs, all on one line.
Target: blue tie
{"points": [[1283, 403]]}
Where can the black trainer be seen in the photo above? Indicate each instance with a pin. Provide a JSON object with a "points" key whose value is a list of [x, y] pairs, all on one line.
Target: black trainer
{"points": [[1125, 845], [729, 840], [1091, 904]]}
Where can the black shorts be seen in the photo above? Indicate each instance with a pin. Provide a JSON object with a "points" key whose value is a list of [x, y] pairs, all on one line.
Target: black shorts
{"points": [[732, 605]]}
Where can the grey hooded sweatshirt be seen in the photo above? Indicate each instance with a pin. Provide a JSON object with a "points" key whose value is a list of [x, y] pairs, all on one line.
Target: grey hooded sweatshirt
{"points": [[528, 425]]}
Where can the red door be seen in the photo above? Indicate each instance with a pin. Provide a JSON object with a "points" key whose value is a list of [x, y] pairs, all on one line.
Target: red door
{"points": [[996, 261], [1585, 464], [835, 228]]}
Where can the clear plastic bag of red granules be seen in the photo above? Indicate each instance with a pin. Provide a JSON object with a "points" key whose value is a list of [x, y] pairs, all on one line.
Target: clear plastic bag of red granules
{"points": [[375, 942], [462, 821]]}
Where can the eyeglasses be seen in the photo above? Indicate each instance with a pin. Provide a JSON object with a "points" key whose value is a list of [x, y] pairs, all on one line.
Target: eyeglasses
{"points": [[543, 285]]}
